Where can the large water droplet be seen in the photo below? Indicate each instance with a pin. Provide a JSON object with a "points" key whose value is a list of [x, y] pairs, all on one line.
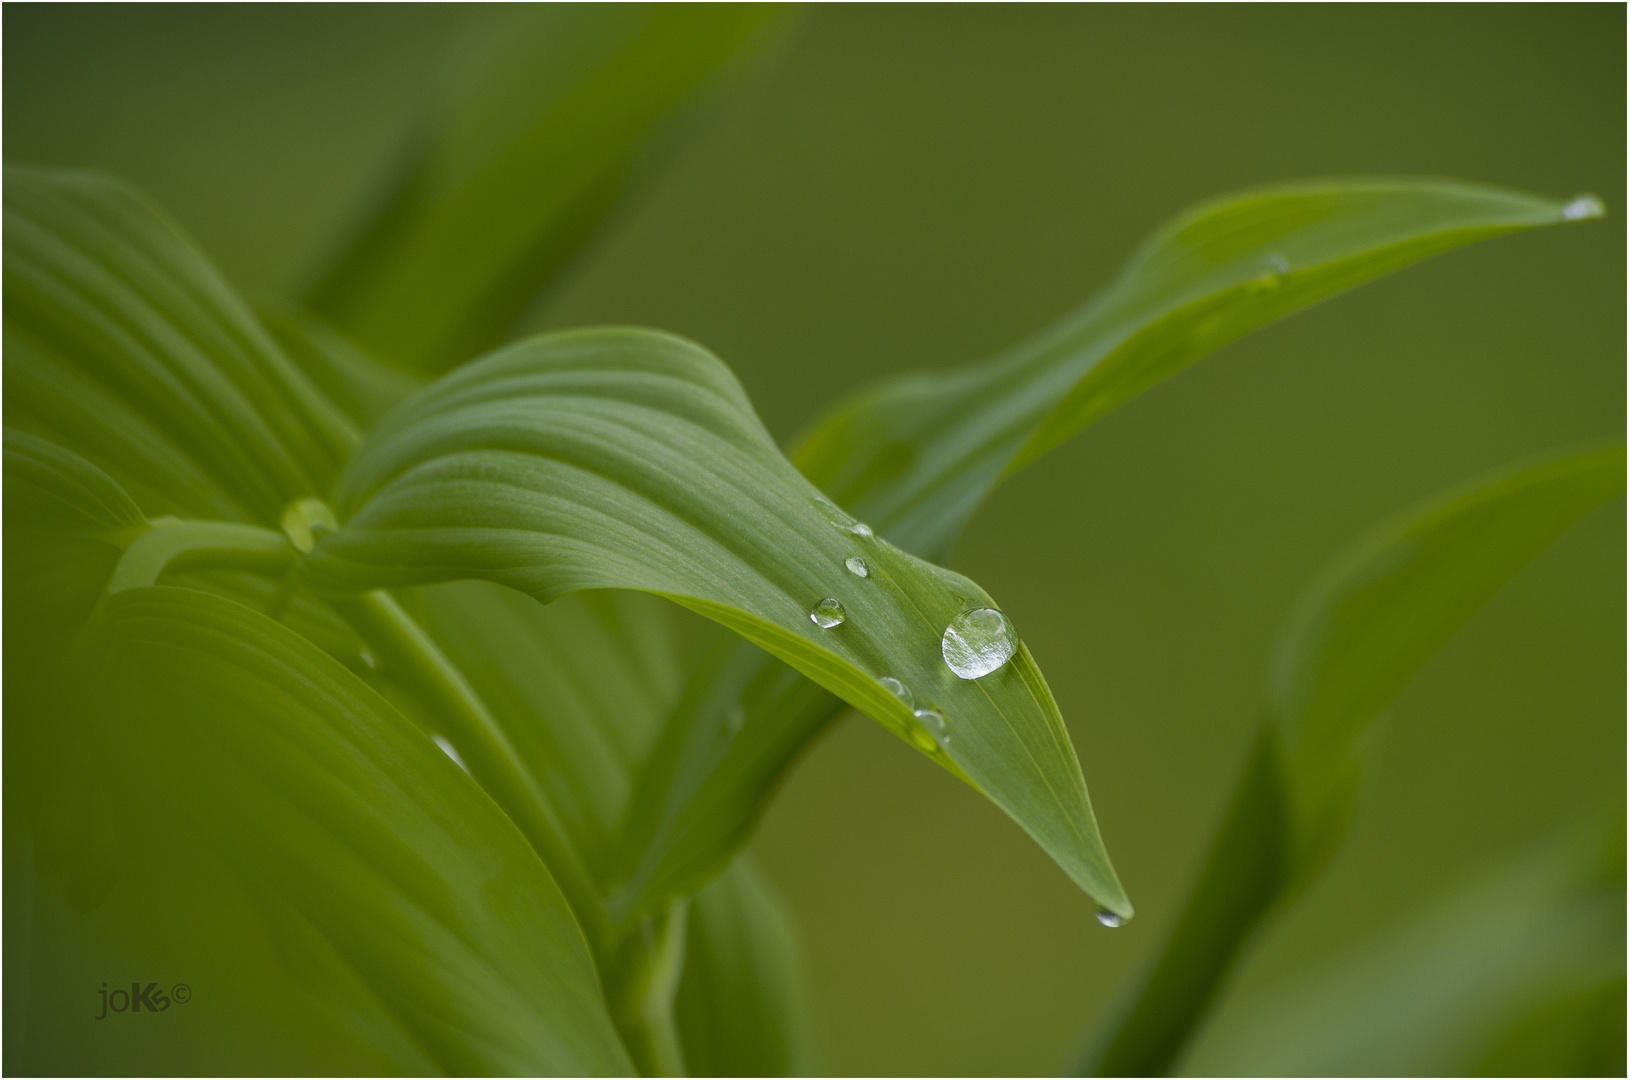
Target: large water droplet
{"points": [[828, 613], [857, 566], [899, 690], [930, 732], [978, 642], [1109, 918], [1584, 206]]}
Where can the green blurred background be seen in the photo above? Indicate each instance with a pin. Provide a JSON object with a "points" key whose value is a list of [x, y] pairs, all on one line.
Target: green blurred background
{"points": [[916, 187]]}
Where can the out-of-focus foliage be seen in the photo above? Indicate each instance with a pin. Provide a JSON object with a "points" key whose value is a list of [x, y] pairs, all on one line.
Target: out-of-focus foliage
{"points": [[1360, 633], [482, 834]]}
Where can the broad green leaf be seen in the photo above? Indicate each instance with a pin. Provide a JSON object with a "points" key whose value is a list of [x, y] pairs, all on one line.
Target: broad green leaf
{"points": [[1512, 969], [1361, 631], [359, 385], [915, 457], [739, 1007], [52, 490], [1376, 614], [580, 686], [528, 144], [311, 785], [124, 345], [632, 459]]}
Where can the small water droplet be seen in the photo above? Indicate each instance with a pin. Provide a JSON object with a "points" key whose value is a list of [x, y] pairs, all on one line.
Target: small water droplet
{"points": [[862, 530], [828, 613], [857, 566], [369, 661], [899, 690], [930, 731], [447, 748], [1109, 918], [978, 642], [1276, 263], [1584, 206]]}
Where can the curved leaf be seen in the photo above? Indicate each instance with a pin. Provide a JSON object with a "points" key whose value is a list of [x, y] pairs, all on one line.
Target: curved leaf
{"points": [[310, 784], [1378, 612], [632, 459], [528, 145], [1452, 990], [124, 345], [739, 1007], [918, 455], [1359, 634], [915, 457], [56, 491]]}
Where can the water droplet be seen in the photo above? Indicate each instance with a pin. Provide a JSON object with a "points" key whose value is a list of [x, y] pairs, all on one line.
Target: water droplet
{"points": [[1109, 918], [857, 566], [978, 642], [861, 529], [930, 732], [1276, 263], [899, 690], [1584, 206], [369, 661], [828, 613], [447, 748]]}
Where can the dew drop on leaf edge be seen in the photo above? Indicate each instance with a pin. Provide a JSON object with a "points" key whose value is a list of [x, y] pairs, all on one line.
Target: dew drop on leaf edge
{"points": [[978, 642], [931, 732], [857, 566], [828, 613], [899, 690], [1109, 918]]}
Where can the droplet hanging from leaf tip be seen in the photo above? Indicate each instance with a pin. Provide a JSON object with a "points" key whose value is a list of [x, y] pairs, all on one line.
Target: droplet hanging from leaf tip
{"points": [[1583, 206], [1109, 918], [828, 613], [978, 642], [857, 566]]}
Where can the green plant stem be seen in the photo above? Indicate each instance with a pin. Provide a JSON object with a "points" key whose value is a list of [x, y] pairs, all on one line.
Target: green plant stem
{"points": [[1244, 874], [196, 545], [653, 962], [405, 647]]}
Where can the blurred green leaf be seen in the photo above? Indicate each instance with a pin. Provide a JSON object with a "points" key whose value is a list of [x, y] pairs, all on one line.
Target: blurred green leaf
{"points": [[915, 457], [1375, 615], [1361, 631], [632, 459], [358, 384], [526, 147], [312, 786], [1510, 970], [125, 346], [739, 1007]]}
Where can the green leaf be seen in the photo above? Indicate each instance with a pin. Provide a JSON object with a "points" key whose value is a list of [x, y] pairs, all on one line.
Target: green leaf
{"points": [[358, 384], [527, 146], [632, 459], [124, 345], [52, 490], [1378, 612], [916, 456], [739, 1007], [1511, 968], [309, 784], [1361, 631]]}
